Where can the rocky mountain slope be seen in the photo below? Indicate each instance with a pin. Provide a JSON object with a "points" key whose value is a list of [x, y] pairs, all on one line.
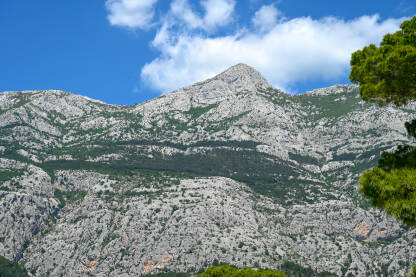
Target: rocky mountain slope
{"points": [[226, 170]]}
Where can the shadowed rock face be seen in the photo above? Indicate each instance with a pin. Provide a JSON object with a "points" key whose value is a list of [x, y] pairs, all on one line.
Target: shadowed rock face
{"points": [[228, 169]]}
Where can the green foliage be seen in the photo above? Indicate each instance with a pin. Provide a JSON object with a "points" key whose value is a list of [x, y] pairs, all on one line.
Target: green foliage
{"points": [[328, 107], [196, 112], [413, 274], [394, 191], [303, 159], [388, 73], [109, 239], [11, 269], [404, 156], [83, 152], [287, 269], [295, 270], [263, 173], [225, 270], [177, 124], [6, 175], [224, 124], [168, 274], [68, 197], [411, 128]]}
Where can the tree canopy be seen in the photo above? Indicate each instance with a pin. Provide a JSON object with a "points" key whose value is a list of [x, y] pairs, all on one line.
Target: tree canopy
{"points": [[387, 74]]}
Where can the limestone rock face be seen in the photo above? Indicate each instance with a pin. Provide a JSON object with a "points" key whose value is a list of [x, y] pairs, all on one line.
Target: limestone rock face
{"points": [[226, 170]]}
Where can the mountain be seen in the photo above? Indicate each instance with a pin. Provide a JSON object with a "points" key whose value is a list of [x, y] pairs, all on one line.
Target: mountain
{"points": [[228, 170]]}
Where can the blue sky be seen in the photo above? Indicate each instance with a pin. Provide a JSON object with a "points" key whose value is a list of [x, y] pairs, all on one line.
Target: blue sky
{"points": [[129, 51]]}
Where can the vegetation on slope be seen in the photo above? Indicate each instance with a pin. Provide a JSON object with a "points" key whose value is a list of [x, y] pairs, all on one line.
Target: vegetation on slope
{"points": [[11, 269], [65, 197], [263, 173]]}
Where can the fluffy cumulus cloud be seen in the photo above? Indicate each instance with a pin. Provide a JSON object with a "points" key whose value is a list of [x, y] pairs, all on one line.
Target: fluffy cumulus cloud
{"points": [[291, 51], [266, 17], [131, 13], [216, 13], [182, 10], [192, 47]]}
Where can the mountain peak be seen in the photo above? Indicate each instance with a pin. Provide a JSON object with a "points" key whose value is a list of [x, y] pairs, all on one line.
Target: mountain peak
{"points": [[245, 75], [241, 67], [237, 78]]}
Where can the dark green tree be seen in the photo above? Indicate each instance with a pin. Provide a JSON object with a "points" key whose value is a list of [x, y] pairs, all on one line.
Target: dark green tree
{"points": [[225, 270], [414, 272], [387, 74]]}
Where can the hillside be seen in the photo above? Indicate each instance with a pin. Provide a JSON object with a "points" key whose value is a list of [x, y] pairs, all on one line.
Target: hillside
{"points": [[227, 170]]}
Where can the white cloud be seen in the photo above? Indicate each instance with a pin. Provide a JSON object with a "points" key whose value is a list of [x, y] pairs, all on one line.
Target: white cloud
{"points": [[216, 13], [182, 10], [266, 17], [291, 51], [131, 13]]}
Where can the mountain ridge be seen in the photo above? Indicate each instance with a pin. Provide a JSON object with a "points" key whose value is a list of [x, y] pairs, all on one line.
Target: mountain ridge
{"points": [[238, 71]]}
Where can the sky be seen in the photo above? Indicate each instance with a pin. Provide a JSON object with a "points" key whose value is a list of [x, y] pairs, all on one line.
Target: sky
{"points": [[129, 51]]}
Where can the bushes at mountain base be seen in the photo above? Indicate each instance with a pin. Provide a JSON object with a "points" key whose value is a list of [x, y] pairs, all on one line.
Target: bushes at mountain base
{"points": [[413, 272], [295, 270], [225, 270], [169, 274], [11, 269], [287, 269], [394, 191]]}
